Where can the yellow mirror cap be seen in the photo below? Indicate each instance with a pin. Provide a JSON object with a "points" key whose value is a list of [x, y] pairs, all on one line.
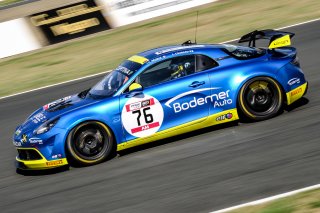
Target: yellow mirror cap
{"points": [[134, 86]]}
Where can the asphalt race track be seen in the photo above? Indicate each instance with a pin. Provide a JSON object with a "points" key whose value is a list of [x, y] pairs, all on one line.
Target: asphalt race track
{"points": [[199, 172]]}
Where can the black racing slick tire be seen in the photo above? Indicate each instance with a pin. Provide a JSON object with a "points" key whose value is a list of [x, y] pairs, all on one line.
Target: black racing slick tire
{"points": [[260, 98], [90, 143]]}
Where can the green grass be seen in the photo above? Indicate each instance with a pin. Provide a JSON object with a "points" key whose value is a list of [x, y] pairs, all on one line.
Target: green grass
{"points": [[7, 2], [306, 202], [279, 207], [219, 21], [315, 204]]}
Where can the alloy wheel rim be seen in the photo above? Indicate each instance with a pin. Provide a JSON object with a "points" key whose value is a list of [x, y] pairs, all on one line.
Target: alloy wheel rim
{"points": [[90, 143], [261, 98]]}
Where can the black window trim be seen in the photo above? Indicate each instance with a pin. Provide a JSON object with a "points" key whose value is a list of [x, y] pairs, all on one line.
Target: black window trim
{"points": [[155, 64], [215, 62]]}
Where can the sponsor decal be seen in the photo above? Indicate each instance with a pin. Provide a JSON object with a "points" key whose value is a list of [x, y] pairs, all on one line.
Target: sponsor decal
{"points": [[35, 141], [140, 104], [296, 91], [124, 70], [158, 58], [176, 48], [142, 117], [54, 163], [56, 156], [280, 42], [224, 117], [183, 52], [218, 99], [38, 118], [294, 81], [16, 143], [17, 132], [55, 103], [24, 138]]}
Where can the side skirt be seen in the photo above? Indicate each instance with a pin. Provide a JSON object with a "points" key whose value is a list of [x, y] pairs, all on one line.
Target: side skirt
{"points": [[218, 118]]}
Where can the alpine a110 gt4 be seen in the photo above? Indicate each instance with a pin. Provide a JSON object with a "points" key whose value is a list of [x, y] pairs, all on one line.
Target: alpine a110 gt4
{"points": [[161, 93]]}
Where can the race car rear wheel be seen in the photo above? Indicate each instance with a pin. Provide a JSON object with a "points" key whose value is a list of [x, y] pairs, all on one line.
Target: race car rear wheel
{"points": [[260, 98], [90, 143]]}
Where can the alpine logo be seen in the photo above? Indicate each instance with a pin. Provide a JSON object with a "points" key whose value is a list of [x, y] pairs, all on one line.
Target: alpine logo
{"points": [[294, 81]]}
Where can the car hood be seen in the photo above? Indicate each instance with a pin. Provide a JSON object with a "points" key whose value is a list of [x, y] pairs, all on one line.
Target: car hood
{"points": [[53, 110]]}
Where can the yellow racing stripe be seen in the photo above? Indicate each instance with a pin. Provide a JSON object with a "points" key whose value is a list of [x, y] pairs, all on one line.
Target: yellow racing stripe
{"points": [[218, 118], [138, 59]]}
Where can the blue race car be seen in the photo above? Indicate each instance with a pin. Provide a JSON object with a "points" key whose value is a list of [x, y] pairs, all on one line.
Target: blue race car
{"points": [[161, 93]]}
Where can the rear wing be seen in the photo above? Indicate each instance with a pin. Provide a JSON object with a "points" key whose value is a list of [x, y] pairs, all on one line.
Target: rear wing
{"points": [[277, 38]]}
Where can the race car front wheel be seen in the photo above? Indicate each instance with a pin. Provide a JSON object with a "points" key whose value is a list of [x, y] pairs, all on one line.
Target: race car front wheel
{"points": [[90, 143], [260, 98]]}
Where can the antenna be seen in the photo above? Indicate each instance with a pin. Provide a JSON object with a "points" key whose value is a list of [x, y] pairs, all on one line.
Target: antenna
{"points": [[195, 37], [189, 42]]}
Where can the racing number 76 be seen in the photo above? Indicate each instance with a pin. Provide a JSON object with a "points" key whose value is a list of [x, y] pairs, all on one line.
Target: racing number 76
{"points": [[148, 118]]}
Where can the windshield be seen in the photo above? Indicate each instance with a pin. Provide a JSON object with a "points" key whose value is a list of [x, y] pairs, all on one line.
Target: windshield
{"points": [[114, 80]]}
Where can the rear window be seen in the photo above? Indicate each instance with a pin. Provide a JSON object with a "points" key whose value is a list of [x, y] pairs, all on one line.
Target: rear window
{"points": [[243, 53]]}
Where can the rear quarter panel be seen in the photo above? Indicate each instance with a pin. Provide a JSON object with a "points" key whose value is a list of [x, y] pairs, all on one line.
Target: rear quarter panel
{"points": [[233, 73]]}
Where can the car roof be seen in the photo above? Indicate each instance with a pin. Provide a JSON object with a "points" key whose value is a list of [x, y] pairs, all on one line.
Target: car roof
{"points": [[177, 49]]}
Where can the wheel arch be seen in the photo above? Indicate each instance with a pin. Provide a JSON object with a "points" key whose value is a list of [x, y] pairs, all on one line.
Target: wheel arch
{"points": [[78, 122], [83, 121], [273, 77], [250, 77]]}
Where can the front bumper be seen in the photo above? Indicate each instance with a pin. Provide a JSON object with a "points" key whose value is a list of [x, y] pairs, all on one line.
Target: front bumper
{"points": [[32, 159]]}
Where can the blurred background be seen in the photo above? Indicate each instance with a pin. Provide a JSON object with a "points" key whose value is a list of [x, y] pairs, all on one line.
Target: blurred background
{"points": [[45, 42]]}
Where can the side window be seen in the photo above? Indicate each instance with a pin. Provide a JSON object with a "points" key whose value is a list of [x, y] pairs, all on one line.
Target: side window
{"points": [[167, 70], [205, 63]]}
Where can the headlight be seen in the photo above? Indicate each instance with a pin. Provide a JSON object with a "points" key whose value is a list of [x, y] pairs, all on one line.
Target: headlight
{"points": [[45, 127]]}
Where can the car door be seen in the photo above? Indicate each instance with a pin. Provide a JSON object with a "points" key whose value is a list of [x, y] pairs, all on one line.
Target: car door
{"points": [[173, 94]]}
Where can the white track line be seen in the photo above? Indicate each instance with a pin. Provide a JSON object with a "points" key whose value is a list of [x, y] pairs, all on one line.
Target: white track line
{"points": [[89, 76], [301, 23], [268, 199], [52, 85], [281, 28]]}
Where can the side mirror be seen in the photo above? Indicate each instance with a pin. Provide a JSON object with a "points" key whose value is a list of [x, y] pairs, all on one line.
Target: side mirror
{"points": [[135, 87]]}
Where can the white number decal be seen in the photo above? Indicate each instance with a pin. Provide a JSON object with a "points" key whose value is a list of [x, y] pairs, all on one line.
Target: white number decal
{"points": [[142, 117]]}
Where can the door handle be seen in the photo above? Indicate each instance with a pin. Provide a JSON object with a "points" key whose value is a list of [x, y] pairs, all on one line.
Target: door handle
{"points": [[197, 84]]}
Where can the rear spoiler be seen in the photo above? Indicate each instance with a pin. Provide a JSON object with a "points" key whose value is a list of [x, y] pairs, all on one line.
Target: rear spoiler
{"points": [[277, 38]]}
